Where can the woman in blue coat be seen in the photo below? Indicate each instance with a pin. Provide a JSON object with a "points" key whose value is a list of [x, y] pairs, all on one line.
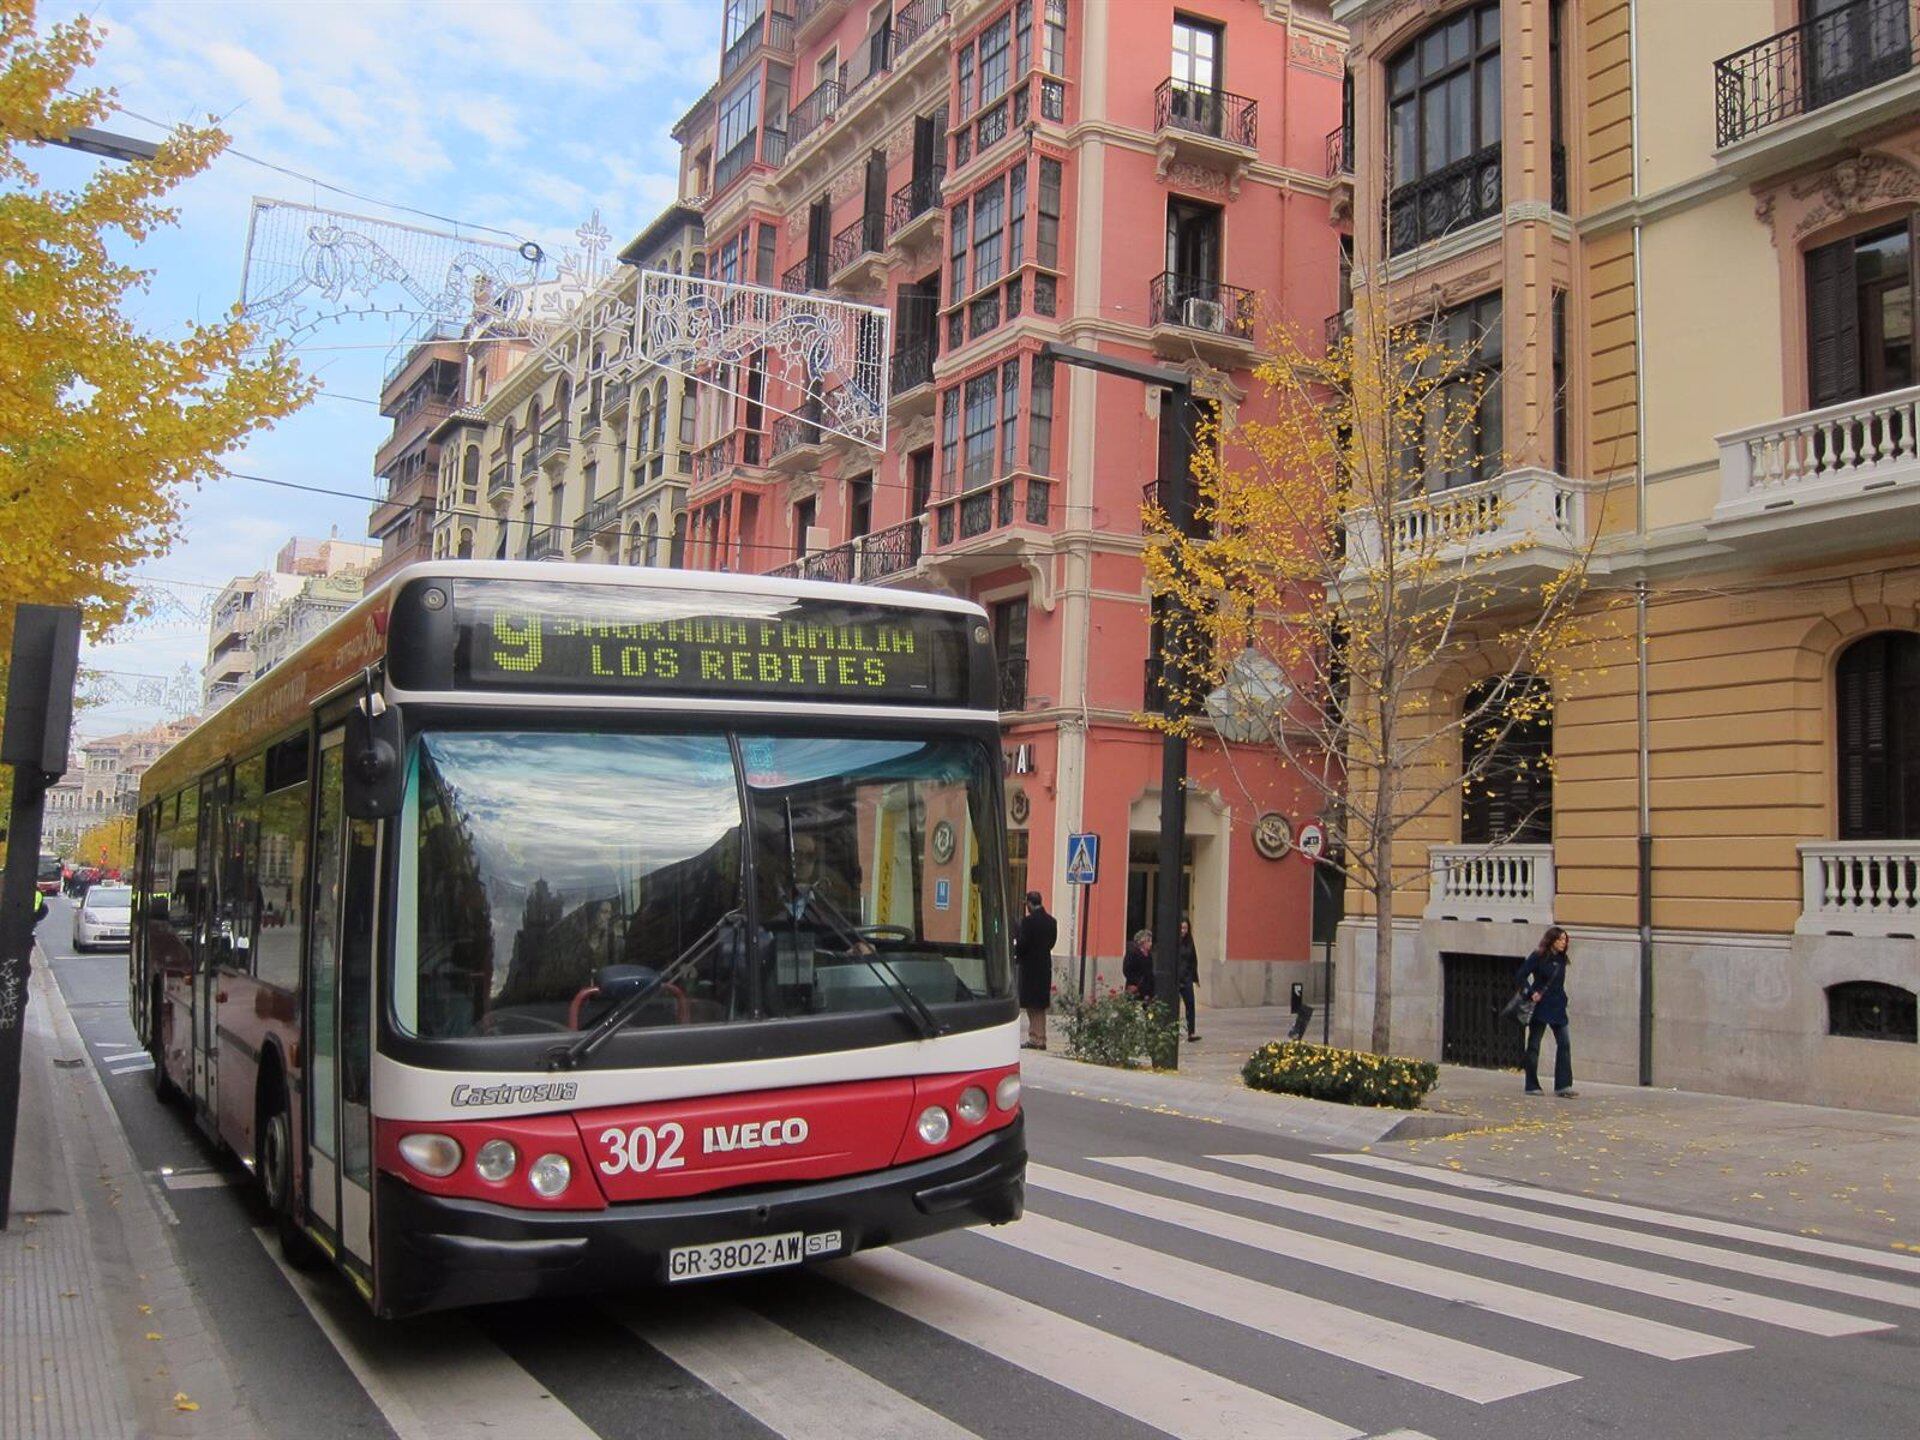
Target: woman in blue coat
{"points": [[1543, 975]]}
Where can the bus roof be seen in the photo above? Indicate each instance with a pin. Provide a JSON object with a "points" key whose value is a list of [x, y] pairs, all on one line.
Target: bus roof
{"points": [[281, 700]]}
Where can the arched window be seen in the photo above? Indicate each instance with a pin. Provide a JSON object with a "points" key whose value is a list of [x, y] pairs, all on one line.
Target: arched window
{"points": [[1443, 127], [653, 539], [660, 414], [1877, 735], [646, 409], [1871, 1010], [470, 475], [1507, 763], [466, 544], [563, 400]]}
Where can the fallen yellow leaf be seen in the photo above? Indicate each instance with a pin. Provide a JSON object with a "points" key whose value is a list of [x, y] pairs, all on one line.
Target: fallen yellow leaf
{"points": [[181, 1402]]}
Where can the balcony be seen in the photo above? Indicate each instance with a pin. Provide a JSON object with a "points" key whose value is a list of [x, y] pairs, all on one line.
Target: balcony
{"points": [[732, 165], [997, 506], [911, 392], [500, 479], [542, 542], [821, 105], [1210, 128], [1499, 883], [1525, 522], [807, 273], [914, 213], [1843, 468], [856, 261], [1819, 63], [740, 450], [603, 514], [776, 35], [1190, 314], [529, 466], [866, 560], [1860, 887], [410, 426], [797, 441], [555, 444], [615, 398], [814, 18], [1340, 172], [1450, 199]]}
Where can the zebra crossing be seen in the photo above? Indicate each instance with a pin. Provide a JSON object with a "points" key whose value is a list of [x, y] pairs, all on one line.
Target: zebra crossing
{"points": [[1339, 1297]]}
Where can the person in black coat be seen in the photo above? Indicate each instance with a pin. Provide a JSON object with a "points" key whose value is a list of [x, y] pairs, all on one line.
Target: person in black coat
{"points": [[1543, 975], [1189, 971], [1136, 967], [1033, 946]]}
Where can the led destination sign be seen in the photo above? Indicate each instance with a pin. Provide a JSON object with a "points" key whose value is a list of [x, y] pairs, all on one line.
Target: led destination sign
{"points": [[591, 637]]}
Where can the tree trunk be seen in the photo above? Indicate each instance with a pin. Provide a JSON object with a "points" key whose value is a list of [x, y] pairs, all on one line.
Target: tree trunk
{"points": [[1382, 949]]}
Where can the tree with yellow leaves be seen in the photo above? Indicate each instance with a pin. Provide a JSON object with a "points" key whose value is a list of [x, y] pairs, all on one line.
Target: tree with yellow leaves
{"points": [[103, 426], [108, 845], [1376, 594]]}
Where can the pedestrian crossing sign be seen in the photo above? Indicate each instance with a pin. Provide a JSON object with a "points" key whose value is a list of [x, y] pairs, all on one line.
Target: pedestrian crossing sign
{"points": [[1083, 859]]}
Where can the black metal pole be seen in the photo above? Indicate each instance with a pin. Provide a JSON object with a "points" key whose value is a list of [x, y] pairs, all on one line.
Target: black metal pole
{"points": [[1177, 499], [16, 952], [1085, 905], [1326, 995]]}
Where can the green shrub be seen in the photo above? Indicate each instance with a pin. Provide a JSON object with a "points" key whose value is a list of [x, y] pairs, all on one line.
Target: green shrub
{"points": [[1112, 1028], [1352, 1077]]}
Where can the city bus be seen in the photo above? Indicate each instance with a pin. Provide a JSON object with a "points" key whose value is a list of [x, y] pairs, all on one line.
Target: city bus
{"points": [[545, 928]]}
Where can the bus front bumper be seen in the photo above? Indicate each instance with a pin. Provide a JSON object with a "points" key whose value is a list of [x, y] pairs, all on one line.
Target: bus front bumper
{"points": [[437, 1253]]}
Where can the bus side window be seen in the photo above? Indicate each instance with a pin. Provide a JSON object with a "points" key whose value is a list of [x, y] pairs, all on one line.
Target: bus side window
{"points": [[239, 879], [281, 865]]}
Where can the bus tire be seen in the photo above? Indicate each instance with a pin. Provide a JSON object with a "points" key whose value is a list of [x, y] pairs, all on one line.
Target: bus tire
{"points": [[273, 1167], [164, 1089]]}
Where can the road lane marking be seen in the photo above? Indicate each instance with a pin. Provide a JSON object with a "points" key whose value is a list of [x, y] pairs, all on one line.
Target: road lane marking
{"points": [[434, 1378], [1862, 1287], [1452, 1366], [790, 1385], [1575, 1317], [1727, 1229], [199, 1179], [1788, 1314], [145, 1062], [1168, 1394]]}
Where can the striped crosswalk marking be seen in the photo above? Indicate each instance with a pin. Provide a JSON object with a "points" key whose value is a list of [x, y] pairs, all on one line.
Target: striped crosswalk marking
{"points": [[1787, 1314], [1539, 1307], [790, 1385], [1169, 1394], [127, 1064], [1436, 1361], [437, 1379], [1726, 1229], [1512, 1217]]}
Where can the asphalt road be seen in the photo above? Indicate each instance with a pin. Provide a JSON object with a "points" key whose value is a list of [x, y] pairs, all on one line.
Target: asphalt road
{"points": [[1157, 1287]]}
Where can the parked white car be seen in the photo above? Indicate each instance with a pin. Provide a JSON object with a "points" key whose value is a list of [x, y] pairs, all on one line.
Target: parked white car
{"points": [[104, 916]]}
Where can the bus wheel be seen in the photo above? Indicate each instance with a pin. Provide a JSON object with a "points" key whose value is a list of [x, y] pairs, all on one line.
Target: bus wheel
{"points": [[164, 1089], [273, 1166]]}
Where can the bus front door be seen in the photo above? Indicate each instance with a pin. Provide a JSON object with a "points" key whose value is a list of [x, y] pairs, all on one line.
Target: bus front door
{"points": [[339, 1133]]}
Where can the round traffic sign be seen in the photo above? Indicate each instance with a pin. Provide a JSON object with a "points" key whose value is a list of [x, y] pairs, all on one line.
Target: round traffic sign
{"points": [[1311, 842]]}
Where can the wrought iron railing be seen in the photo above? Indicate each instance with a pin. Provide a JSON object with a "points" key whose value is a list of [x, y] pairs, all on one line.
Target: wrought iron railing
{"points": [[710, 463], [1339, 152], [1450, 198], [890, 551], [540, 543], [1195, 303], [732, 164], [865, 236], [790, 432], [1823, 59], [529, 464], [1336, 329], [878, 59], [914, 19], [914, 199], [500, 478], [1557, 178], [821, 105], [773, 148], [554, 440], [992, 506], [912, 364], [1013, 683], [809, 272], [1200, 111], [601, 513]]}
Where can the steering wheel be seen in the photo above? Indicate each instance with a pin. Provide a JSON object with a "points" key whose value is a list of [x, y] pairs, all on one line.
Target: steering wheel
{"points": [[492, 1022], [885, 932]]}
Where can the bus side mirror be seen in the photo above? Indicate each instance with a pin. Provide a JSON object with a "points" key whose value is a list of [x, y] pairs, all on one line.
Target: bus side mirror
{"points": [[374, 783]]}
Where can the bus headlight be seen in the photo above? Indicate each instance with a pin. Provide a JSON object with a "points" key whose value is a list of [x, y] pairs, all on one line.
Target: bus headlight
{"points": [[550, 1176], [495, 1160], [972, 1105], [1007, 1093], [430, 1154], [933, 1125]]}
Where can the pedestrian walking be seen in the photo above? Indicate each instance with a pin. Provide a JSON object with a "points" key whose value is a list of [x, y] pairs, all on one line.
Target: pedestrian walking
{"points": [[1033, 946], [1189, 971], [1137, 966], [1543, 976]]}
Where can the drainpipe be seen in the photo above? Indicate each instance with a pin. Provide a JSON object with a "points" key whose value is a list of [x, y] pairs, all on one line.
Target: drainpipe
{"points": [[1644, 878]]}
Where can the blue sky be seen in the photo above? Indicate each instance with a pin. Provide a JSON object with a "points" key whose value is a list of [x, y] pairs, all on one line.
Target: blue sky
{"points": [[524, 116]]}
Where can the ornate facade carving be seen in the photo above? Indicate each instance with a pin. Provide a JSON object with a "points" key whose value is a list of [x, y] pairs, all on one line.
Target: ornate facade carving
{"points": [[1316, 53], [1856, 185], [1190, 175]]}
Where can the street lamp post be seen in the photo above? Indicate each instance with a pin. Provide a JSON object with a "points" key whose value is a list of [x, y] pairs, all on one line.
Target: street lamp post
{"points": [[1177, 500]]}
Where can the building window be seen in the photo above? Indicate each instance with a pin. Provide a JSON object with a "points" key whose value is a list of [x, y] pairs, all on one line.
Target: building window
{"points": [[1010, 647], [740, 16], [1055, 57], [1871, 1010], [964, 67], [1507, 747], [1560, 382], [920, 471], [1877, 723], [739, 112], [1047, 235], [1017, 865], [1443, 127], [949, 439], [1860, 315], [1017, 216], [980, 424], [1464, 442], [803, 514], [957, 230], [994, 41], [859, 507], [989, 217], [1009, 415], [1040, 417]]}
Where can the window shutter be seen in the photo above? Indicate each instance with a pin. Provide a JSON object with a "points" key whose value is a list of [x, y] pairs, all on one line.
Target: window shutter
{"points": [[1833, 325]]}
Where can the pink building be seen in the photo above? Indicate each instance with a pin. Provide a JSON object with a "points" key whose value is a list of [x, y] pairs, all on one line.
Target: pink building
{"points": [[1130, 177]]}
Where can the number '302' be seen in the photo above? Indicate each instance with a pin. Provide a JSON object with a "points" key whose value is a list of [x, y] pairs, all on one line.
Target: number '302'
{"points": [[643, 1148]]}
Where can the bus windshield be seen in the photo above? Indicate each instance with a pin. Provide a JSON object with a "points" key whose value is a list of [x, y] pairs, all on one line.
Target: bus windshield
{"points": [[546, 875]]}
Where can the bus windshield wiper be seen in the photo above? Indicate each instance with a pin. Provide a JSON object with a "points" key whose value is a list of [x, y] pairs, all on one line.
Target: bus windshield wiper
{"points": [[569, 1056]]}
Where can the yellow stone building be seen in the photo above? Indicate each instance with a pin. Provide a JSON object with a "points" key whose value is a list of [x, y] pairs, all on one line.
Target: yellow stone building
{"points": [[1691, 228]]}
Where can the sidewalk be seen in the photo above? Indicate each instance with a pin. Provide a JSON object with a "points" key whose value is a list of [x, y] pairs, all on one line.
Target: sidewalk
{"points": [[101, 1336], [1847, 1174]]}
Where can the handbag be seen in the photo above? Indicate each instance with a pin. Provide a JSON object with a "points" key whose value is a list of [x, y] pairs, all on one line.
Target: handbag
{"points": [[1519, 1007]]}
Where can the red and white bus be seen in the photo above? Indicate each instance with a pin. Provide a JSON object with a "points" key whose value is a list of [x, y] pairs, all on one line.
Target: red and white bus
{"points": [[546, 928]]}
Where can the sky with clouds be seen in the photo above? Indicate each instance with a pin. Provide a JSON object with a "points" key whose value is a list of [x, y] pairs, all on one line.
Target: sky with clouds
{"points": [[528, 117]]}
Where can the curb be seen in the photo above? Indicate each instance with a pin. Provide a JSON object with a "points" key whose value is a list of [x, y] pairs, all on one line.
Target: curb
{"points": [[132, 1252], [1318, 1122]]}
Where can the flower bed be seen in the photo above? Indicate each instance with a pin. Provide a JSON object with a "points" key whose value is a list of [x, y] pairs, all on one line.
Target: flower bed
{"points": [[1113, 1028], [1351, 1077]]}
